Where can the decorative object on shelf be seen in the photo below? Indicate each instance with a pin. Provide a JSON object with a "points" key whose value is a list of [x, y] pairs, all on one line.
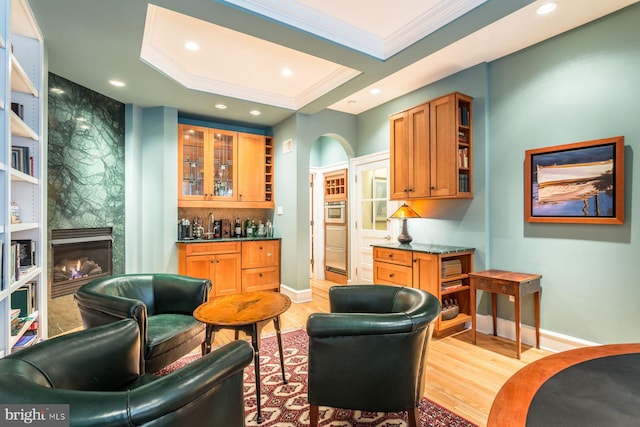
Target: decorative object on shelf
{"points": [[450, 309], [403, 213], [581, 182]]}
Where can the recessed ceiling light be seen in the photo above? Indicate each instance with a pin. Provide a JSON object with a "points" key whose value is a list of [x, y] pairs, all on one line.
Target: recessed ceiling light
{"points": [[255, 112], [375, 91], [287, 72], [221, 106], [193, 46], [547, 7], [117, 83]]}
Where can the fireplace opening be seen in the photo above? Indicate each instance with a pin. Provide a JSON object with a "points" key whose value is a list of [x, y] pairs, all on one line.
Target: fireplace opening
{"points": [[79, 255]]}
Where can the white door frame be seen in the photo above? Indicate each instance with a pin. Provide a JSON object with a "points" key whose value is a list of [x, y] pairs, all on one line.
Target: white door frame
{"points": [[318, 215], [354, 202]]}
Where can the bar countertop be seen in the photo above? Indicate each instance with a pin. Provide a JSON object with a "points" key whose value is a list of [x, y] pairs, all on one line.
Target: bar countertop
{"points": [[227, 239], [429, 248]]}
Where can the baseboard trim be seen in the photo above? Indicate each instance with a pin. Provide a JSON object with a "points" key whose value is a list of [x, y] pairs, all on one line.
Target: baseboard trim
{"points": [[296, 295], [551, 341]]}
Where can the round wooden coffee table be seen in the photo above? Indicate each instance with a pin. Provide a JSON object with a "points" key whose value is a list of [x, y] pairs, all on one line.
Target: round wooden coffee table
{"points": [[247, 312]]}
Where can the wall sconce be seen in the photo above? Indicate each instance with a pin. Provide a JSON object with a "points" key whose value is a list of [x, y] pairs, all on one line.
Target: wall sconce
{"points": [[403, 213]]}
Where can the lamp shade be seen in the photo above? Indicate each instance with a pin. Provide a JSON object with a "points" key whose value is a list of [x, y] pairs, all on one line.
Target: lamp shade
{"points": [[405, 211]]}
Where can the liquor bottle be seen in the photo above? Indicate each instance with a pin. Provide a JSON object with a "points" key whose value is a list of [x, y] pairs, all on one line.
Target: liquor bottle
{"points": [[238, 227], [247, 228]]}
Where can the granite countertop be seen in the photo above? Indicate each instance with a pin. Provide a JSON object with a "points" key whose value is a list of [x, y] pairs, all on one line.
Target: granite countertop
{"points": [[227, 239], [428, 248]]}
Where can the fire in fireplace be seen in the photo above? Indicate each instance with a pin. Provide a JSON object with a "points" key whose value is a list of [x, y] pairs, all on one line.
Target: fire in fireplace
{"points": [[79, 255]]}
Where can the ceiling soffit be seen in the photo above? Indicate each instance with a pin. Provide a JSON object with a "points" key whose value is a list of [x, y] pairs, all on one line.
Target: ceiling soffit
{"points": [[234, 64], [379, 29]]}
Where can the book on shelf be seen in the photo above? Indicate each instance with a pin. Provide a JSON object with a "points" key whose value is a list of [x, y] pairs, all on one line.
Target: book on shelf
{"points": [[463, 182], [14, 265], [23, 299], [463, 157], [21, 159], [26, 252], [464, 115], [27, 339], [451, 267], [453, 285]]}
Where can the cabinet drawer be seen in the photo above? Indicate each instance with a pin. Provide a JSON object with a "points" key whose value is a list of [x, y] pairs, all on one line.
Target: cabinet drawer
{"points": [[495, 285], [256, 279], [392, 274], [212, 248], [393, 256], [261, 253]]}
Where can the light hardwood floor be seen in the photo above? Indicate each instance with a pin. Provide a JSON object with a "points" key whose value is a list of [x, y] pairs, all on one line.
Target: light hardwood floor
{"points": [[462, 377]]}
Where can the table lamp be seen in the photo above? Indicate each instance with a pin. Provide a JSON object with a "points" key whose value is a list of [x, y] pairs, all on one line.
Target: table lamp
{"points": [[403, 213]]}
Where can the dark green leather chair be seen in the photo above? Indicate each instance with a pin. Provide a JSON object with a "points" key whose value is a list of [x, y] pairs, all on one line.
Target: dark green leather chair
{"points": [[369, 353], [161, 304], [97, 373]]}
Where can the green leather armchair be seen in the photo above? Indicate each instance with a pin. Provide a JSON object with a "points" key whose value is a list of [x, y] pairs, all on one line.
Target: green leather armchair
{"points": [[369, 353], [161, 304], [97, 373]]}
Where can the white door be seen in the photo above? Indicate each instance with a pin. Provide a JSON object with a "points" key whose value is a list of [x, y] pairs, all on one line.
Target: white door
{"points": [[371, 208]]}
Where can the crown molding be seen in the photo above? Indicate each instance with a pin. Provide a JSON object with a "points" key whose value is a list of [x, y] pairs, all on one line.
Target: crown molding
{"points": [[302, 17]]}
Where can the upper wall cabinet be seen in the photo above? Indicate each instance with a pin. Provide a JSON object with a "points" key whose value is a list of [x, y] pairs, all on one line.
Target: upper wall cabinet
{"points": [[431, 149], [218, 168]]}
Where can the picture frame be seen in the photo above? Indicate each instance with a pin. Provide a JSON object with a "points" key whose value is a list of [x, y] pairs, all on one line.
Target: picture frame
{"points": [[581, 182]]}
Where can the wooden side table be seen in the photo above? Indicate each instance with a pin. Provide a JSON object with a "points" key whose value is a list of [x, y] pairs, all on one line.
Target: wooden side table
{"points": [[507, 283], [248, 312]]}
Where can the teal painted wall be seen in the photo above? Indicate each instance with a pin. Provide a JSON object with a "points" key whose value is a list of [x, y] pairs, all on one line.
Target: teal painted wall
{"points": [[327, 151], [292, 185], [451, 222], [579, 86], [151, 199]]}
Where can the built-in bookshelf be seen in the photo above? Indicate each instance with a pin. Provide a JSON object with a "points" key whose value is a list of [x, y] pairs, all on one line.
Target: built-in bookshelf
{"points": [[23, 287]]}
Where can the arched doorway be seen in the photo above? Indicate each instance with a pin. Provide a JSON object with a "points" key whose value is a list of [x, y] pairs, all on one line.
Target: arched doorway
{"points": [[329, 157]]}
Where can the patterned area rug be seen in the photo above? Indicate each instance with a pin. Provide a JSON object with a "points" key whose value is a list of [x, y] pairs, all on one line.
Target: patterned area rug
{"points": [[285, 405]]}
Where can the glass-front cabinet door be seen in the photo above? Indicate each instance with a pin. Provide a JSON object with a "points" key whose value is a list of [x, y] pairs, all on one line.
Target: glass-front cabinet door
{"points": [[223, 180], [191, 162]]}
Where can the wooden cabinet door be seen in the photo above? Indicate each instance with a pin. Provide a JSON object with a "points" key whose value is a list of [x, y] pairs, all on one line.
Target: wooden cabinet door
{"points": [[199, 266], [226, 277], [261, 253], [444, 149], [192, 141], [426, 276], [409, 144], [222, 174], [400, 152], [251, 172], [421, 155]]}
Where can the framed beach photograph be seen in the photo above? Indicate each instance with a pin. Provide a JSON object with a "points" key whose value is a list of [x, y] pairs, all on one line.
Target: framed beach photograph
{"points": [[581, 182]]}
